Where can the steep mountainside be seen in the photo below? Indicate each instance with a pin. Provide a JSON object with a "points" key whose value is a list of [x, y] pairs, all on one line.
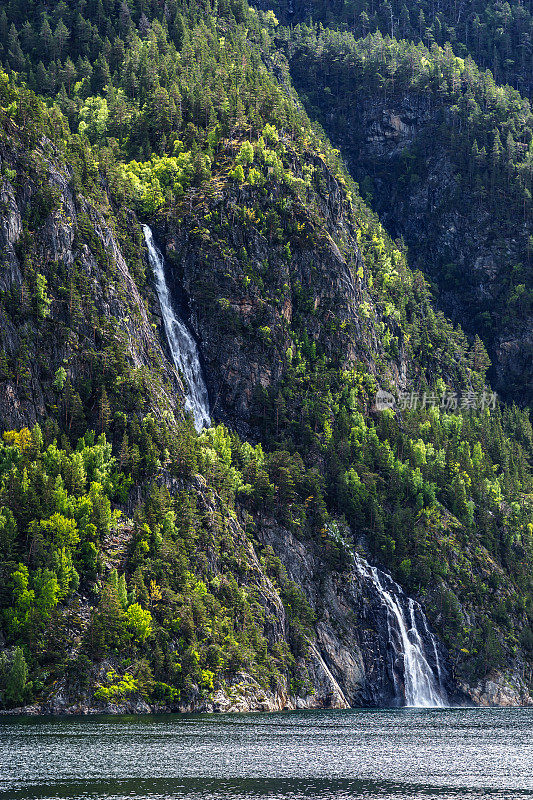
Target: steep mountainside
{"points": [[445, 157], [147, 565], [77, 318]]}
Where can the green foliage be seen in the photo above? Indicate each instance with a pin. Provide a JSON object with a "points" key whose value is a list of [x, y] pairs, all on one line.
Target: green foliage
{"points": [[117, 687], [94, 115], [237, 174], [159, 181], [42, 300], [174, 111], [139, 622], [67, 520], [246, 154], [482, 131], [59, 379], [496, 36], [17, 678]]}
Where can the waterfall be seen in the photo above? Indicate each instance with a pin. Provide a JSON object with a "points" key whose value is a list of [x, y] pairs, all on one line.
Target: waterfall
{"points": [[182, 345], [415, 681]]}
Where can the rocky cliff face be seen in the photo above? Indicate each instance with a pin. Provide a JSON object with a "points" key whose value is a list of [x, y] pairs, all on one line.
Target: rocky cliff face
{"points": [[464, 249], [398, 147], [249, 263], [344, 663], [353, 626], [72, 308]]}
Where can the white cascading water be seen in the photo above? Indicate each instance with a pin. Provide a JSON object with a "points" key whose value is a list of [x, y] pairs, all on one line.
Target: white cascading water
{"points": [[421, 687], [183, 348]]}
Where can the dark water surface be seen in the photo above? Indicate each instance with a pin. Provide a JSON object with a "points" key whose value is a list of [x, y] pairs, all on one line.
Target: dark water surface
{"points": [[457, 754]]}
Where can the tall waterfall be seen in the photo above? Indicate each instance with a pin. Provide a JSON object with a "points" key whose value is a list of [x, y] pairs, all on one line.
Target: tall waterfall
{"points": [[183, 348], [416, 682]]}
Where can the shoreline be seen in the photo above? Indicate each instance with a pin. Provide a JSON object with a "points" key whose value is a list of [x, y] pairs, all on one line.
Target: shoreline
{"points": [[144, 709]]}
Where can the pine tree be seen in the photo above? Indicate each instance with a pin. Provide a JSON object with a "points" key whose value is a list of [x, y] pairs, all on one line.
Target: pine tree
{"points": [[61, 37], [4, 29], [46, 41], [177, 31], [495, 164], [15, 54], [42, 79], [122, 591], [124, 452], [17, 679], [105, 412]]}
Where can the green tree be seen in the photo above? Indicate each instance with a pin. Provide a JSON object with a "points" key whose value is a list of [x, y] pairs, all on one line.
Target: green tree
{"points": [[139, 621], [59, 379], [17, 679]]}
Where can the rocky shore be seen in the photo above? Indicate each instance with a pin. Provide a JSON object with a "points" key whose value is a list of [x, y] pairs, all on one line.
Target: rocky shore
{"points": [[245, 695]]}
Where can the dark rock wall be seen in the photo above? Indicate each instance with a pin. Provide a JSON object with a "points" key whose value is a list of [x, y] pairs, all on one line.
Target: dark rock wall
{"points": [[453, 235]]}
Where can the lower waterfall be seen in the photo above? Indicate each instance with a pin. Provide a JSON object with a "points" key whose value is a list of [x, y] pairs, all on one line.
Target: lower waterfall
{"points": [[416, 682], [183, 348]]}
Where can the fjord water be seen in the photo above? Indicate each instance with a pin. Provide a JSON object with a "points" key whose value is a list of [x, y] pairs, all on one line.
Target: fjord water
{"points": [[181, 342], [458, 754]]}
